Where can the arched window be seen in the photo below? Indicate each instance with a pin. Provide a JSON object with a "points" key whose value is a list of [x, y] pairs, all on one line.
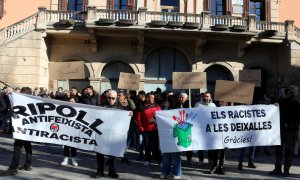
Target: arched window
{"points": [[216, 72], [110, 75], [160, 65]]}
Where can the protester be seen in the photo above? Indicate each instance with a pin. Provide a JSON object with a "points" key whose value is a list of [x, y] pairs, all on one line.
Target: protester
{"points": [[141, 98], [67, 148], [90, 96], [148, 127], [3, 113], [289, 121], [129, 105], [218, 154], [14, 166], [171, 162], [74, 94], [206, 101], [111, 103]]}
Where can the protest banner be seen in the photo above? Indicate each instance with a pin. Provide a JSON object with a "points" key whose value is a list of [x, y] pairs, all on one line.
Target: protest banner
{"points": [[189, 80], [207, 128], [87, 127], [129, 81], [66, 70], [250, 76], [231, 91]]}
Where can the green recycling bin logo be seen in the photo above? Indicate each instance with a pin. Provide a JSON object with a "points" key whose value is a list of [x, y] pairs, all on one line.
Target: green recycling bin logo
{"points": [[183, 129]]}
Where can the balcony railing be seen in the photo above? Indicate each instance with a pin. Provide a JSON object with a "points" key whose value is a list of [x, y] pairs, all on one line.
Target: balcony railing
{"points": [[297, 32], [116, 15], [276, 26], [143, 18], [228, 20], [76, 16], [18, 28]]}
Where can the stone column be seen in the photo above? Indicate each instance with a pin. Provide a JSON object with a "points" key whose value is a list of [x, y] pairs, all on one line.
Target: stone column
{"points": [[289, 30], [91, 15], [252, 23], [206, 20], [142, 16], [95, 82], [41, 19]]}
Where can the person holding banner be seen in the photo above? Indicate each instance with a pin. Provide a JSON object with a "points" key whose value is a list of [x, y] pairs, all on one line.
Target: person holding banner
{"points": [[14, 166], [67, 148], [147, 125], [129, 105], [206, 101], [289, 121], [218, 154], [111, 103], [171, 162]]}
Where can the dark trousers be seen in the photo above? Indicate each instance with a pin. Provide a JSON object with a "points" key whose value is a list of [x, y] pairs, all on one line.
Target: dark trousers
{"points": [[67, 151], [100, 163], [152, 146], [189, 155], [17, 153], [218, 154], [287, 143]]}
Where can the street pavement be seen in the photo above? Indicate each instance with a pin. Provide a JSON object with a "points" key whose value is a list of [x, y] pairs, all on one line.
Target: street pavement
{"points": [[47, 158]]}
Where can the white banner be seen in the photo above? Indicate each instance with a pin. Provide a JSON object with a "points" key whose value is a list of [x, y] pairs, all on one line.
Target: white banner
{"points": [[208, 128], [81, 126]]}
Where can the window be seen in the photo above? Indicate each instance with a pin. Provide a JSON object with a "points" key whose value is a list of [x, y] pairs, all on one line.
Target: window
{"points": [[75, 5], [72, 5], [1, 9], [120, 4], [257, 7], [218, 7]]}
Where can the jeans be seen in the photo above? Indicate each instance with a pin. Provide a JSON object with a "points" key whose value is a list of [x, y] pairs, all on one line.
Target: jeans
{"points": [[171, 164], [250, 156]]}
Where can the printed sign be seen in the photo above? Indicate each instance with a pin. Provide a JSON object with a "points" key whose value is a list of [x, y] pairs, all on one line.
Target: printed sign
{"points": [[129, 81], [251, 76], [87, 127], [231, 91], [66, 70], [207, 128], [189, 80]]}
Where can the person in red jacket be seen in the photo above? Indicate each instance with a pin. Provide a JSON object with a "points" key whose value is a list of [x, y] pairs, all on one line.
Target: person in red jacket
{"points": [[146, 123]]}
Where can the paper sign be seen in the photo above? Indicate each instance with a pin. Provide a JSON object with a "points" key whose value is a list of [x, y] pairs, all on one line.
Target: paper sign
{"points": [[66, 70], [251, 76], [129, 81], [189, 80], [232, 91]]}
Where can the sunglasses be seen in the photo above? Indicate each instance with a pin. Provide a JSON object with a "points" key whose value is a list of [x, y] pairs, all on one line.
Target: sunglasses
{"points": [[113, 98]]}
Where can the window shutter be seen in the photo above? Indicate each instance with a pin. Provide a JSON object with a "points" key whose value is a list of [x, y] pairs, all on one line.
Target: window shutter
{"points": [[206, 5], [246, 8], [268, 10], [110, 4], [228, 7], [130, 5], [84, 5], [1, 8], [63, 5]]}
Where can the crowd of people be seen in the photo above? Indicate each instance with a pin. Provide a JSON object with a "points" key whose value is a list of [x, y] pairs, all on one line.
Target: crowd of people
{"points": [[143, 130]]}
